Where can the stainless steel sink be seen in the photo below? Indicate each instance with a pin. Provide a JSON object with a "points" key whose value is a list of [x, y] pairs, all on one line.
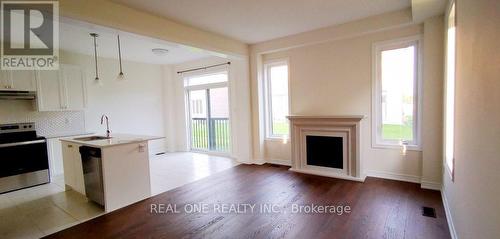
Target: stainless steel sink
{"points": [[92, 138]]}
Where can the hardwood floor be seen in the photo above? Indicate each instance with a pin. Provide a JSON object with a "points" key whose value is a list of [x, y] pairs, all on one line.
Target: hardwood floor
{"points": [[379, 209]]}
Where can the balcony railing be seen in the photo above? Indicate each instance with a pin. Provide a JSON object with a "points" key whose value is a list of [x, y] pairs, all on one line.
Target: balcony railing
{"points": [[212, 134]]}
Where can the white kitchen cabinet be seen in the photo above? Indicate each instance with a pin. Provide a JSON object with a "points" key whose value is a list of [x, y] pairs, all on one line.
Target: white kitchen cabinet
{"points": [[74, 87], [18, 80], [73, 170], [126, 174], [61, 90], [4, 80], [49, 88], [23, 80], [54, 149]]}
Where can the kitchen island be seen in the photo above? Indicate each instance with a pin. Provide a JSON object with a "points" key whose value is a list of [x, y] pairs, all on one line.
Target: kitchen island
{"points": [[121, 176]]}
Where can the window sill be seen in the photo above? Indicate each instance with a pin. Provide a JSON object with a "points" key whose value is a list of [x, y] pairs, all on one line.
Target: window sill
{"points": [[397, 146]]}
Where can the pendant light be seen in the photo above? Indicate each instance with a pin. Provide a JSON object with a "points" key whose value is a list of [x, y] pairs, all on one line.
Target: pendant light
{"points": [[121, 76], [97, 80]]}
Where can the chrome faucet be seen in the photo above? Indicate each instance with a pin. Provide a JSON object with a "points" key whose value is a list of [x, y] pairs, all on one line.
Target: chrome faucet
{"points": [[108, 132]]}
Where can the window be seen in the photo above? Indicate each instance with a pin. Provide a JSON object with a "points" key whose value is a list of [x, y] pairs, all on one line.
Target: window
{"points": [[276, 98], [450, 91], [396, 116], [211, 78], [207, 104]]}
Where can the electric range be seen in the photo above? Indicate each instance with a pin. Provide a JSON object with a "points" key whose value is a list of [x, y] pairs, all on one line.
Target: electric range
{"points": [[23, 157]]}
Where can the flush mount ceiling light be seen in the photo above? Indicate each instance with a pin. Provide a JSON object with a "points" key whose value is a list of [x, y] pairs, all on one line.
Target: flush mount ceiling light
{"points": [[159, 51]]}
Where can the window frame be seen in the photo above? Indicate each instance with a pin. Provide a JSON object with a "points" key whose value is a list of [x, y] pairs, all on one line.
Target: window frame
{"points": [[187, 103], [377, 48], [208, 72], [451, 171], [268, 99]]}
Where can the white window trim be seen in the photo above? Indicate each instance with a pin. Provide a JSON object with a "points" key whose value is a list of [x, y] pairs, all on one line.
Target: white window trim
{"points": [[267, 97], [187, 105], [207, 72], [377, 141], [451, 171]]}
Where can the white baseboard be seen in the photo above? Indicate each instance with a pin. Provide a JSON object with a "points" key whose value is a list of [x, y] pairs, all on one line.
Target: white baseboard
{"points": [[394, 176], [449, 219], [328, 174], [255, 161], [279, 162], [430, 185]]}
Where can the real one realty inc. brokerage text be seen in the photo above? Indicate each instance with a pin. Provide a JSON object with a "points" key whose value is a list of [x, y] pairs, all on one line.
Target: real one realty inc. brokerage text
{"points": [[247, 208]]}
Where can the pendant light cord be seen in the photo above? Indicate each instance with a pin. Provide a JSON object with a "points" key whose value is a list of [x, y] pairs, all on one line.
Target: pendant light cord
{"points": [[120, 54], [94, 35]]}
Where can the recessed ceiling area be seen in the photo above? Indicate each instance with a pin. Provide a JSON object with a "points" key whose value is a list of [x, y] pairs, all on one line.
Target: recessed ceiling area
{"points": [[74, 37], [252, 21]]}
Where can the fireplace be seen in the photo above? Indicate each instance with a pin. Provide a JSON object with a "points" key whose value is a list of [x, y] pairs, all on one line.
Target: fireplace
{"points": [[326, 145], [325, 151]]}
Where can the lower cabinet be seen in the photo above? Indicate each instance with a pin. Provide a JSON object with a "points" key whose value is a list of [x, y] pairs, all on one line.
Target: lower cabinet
{"points": [[54, 150], [72, 164]]}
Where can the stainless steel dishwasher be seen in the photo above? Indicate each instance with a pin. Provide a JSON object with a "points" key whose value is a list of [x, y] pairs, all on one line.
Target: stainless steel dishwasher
{"points": [[92, 173]]}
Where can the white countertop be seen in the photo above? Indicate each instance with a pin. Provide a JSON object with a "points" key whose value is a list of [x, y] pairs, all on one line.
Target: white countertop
{"points": [[64, 135], [116, 139]]}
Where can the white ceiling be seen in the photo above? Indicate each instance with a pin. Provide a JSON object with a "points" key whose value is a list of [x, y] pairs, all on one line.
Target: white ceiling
{"points": [[253, 21], [74, 37]]}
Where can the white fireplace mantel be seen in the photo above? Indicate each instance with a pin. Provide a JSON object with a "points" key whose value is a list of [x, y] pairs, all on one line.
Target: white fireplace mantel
{"points": [[346, 126]]}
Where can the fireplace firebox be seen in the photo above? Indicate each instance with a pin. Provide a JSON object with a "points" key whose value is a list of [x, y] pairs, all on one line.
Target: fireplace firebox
{"points": [[325, 151]]}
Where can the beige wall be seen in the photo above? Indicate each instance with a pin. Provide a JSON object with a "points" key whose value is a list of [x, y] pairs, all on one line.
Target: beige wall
{"points": [[432, 109], [335, 78], [134, 106], [474, 196]]}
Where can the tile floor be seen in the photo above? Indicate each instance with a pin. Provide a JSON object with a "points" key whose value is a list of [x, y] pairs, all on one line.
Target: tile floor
{"points": [[45, 209], [42, 210], [173, 170]]}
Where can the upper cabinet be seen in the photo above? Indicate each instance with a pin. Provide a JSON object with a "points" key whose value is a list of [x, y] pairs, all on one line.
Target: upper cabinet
{"points": [[4, 80], [61, 90], [74, 87], [49, 88], [17, 80]]}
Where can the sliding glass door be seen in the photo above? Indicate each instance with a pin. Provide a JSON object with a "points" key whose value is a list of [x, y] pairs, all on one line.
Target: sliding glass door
{"points": [[209, 114]]}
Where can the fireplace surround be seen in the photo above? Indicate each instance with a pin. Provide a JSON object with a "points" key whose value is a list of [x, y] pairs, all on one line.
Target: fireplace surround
{"points": [[334, 145]]}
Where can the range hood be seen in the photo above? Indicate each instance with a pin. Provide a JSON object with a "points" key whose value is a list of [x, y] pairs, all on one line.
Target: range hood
{"points": [[17, 95]]}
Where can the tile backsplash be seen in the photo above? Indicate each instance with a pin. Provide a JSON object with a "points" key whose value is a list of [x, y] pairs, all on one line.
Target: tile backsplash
{"points": [[47, 123]]}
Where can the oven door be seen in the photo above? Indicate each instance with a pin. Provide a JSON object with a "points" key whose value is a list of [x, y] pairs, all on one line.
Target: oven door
{"points": [[23, 164]]}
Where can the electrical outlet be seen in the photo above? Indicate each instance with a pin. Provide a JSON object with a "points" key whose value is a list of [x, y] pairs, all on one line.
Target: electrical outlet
{"points": [[142, 148]]}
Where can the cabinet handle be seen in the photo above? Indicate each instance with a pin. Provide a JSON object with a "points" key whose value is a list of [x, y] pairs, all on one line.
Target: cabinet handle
{"points": [[70, 146]]}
